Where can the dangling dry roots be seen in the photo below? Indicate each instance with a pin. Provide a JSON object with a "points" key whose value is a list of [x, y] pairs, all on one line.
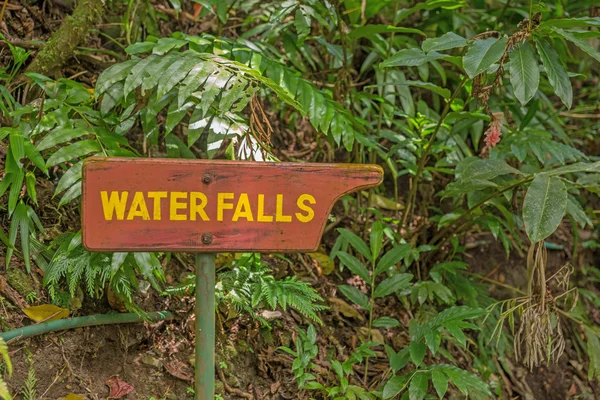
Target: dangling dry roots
{"points": [[540, 333]]}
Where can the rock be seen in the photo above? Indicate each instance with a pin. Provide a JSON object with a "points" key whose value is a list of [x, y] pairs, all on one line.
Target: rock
{"points": [[151, 361]]}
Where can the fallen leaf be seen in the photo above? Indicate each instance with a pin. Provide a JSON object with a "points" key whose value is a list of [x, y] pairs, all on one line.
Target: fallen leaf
{"points": [[325, 263], [46, 312], [376, 336], [379, 201], [344, 308], [179, 370], [118, 388], [73, 397]]}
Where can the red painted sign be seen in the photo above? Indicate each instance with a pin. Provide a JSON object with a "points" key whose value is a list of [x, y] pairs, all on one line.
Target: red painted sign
{"points": [[212, 205]]}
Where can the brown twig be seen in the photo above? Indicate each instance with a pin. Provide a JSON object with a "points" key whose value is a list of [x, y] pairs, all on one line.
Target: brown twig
{"points": [[229, 389]]}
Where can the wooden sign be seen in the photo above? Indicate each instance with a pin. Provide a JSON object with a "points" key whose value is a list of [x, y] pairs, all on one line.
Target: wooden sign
{"points": [[211, 205]]}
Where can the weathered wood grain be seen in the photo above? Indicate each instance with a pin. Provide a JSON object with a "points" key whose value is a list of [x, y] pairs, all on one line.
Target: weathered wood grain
{"points": [[287, 227]]}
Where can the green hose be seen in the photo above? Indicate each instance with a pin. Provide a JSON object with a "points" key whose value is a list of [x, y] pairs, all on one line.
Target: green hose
{"points": [[79, 322]]}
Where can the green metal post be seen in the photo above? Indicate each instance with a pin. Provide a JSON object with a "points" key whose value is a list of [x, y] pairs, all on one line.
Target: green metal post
{"points": [[205, 326]]}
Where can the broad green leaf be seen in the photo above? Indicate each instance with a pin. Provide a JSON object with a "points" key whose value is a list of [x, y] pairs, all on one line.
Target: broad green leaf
{"points": [[575, 210], [464, 380], [570, 23], [72, 151], [71, 194], [155, 72], [139, 47], [455, 330], [433, 340], [482, 54], [21, 215], [136, 75], [117, 260], [593, 350], [167, 44], [356, 242], [445, 93], [394, 386], [355, 266], [524, 72], [397, 360], [576, 167], [30, 184], [17, 146], [376, 239], [440, 382], [149, 266], [393, 284], [486, 169], [392, 257], [557, 74], [112, 75], [544, 206], [175, 74], [466, 187], [69, 178], [447, 41], [59, 136], [418, 386], [195, 79], [372, 30], [46, 313], [588, 48], [356, 296], [15, 190], [411, 58], [302, 24], [417, 352], [35, 156], [386, 323]]}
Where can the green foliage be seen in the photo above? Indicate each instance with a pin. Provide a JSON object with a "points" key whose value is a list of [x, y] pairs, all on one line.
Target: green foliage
{"points": [[4, 392], [248, 286]]}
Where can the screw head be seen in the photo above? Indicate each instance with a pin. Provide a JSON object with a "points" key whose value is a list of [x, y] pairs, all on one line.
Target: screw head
{"points": [[207, 178], [207, 238]]}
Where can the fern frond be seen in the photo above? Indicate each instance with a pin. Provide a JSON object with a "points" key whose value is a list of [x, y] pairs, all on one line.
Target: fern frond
{"points": [[28, 391]]}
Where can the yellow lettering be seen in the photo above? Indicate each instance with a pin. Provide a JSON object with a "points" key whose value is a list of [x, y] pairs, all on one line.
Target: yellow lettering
{"points": [[221, 205], [156, 197], [138, 207], [175, 206], [198, 208], [310, 213], [242, 210], [114, 204], [279, 217], [261, 217]]}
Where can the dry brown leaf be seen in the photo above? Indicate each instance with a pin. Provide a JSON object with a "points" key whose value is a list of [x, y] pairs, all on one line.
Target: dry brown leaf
{"points": [[118, 388], [325, 263], [73, 397], [344, 308], [46, 312]]}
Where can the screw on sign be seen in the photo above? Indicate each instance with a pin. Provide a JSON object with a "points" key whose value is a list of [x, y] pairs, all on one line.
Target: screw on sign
{"points": [[207, 206]]}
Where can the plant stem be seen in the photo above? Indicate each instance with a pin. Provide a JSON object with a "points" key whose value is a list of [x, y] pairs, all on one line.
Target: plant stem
{"points": [[415, 183], [445, 233], [90, 320], [366, 378]]}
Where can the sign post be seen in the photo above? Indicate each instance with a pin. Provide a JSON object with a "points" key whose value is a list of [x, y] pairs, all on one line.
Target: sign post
{"points": [[208, 206]]}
